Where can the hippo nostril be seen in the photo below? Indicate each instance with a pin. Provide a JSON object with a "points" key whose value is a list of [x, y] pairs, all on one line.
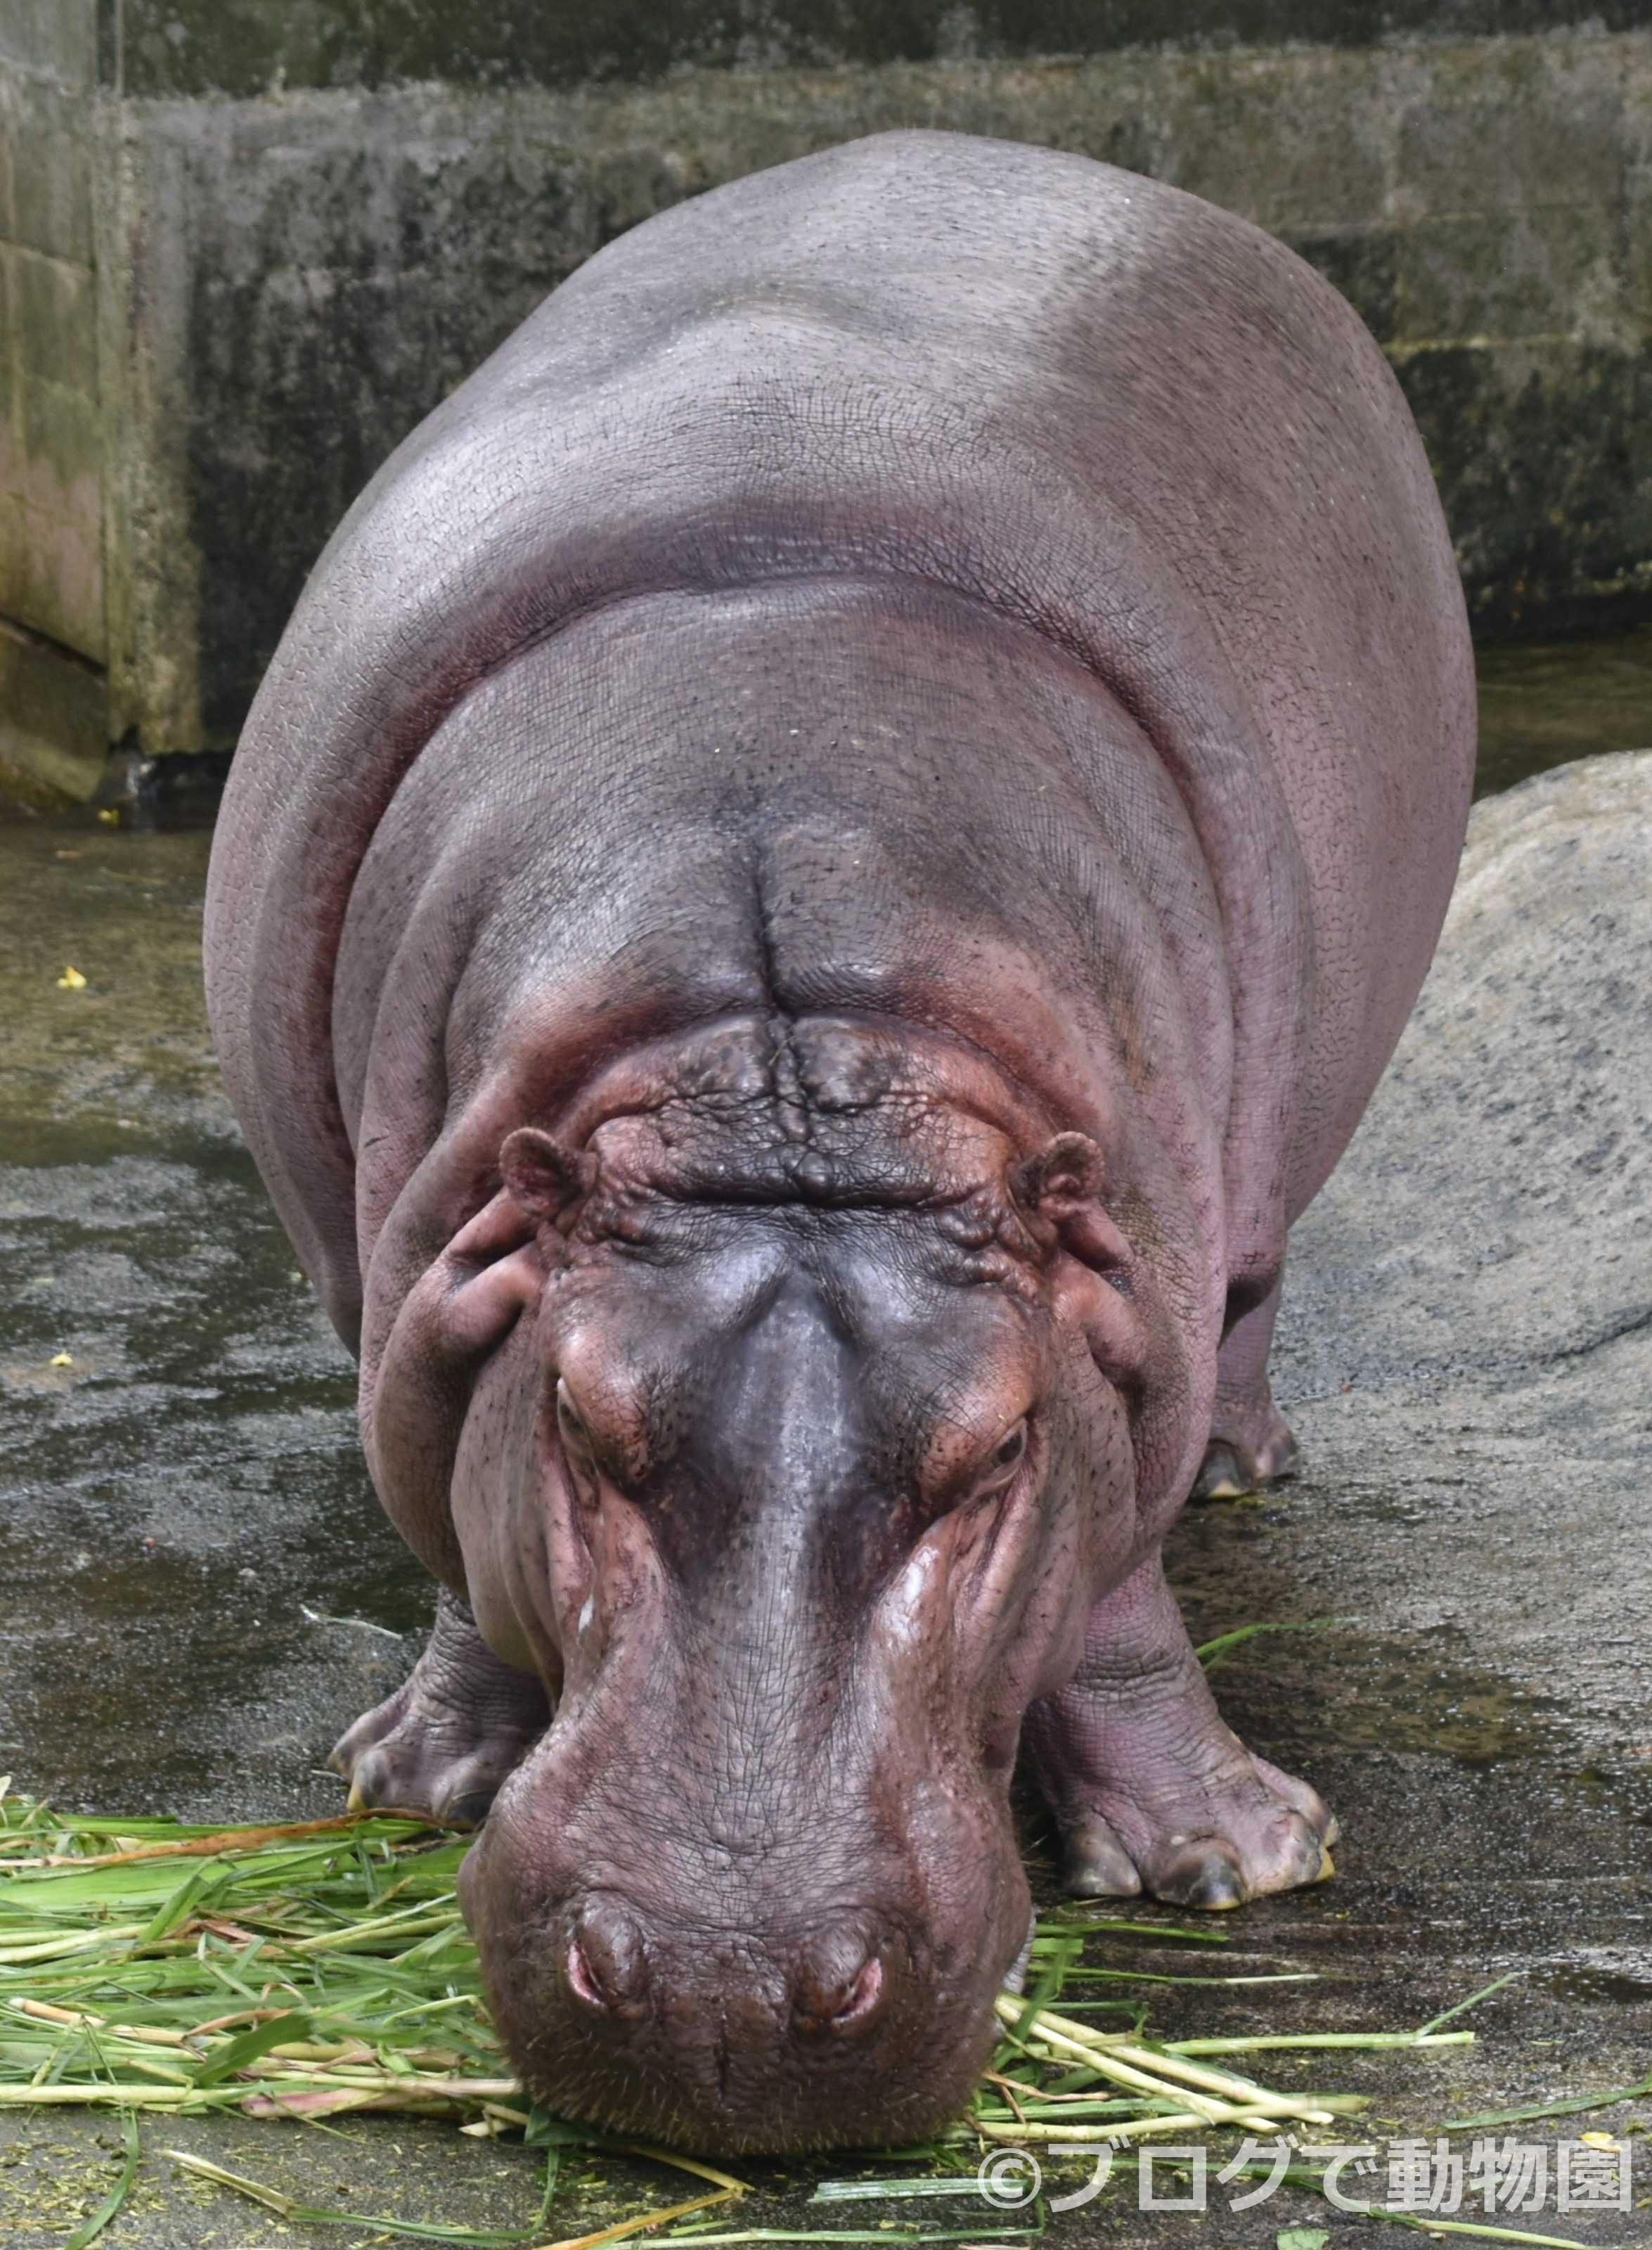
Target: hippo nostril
{"points": [[839, 1987], [606, 1964], [581, 1982], [862, 1997]]}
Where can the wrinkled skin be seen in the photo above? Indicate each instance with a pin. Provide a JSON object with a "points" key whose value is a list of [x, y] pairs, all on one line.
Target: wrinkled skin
{"points": [[830, 857]]}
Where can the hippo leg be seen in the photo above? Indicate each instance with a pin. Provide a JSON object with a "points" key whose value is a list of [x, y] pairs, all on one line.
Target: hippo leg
{"points": [[1250, 1443], [1152, 1791], [443, 1742]]}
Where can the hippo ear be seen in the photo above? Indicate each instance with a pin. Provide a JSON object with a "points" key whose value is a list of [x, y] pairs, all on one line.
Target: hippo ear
{"points": [[1064, 1186], [542, 1176]]}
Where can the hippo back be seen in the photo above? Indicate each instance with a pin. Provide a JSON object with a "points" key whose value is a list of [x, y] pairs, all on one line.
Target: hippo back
{"points": [[1079, 397]]}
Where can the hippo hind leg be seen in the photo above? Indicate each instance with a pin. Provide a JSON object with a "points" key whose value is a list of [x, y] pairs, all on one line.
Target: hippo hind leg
{"points": [[1252, 1444], [443, 1744], [1151, 1789]]}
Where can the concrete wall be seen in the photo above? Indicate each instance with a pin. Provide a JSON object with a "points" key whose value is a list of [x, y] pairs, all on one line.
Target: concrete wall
{"points": [[251, 46], [51, 590], [288, 280]]}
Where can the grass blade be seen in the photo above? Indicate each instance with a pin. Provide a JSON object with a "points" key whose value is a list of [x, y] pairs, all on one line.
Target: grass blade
{"points": [[1576, 2105], [1473, 2001], [1212, 1653], [236, 2053], [305, 2214], [94, 2224]]}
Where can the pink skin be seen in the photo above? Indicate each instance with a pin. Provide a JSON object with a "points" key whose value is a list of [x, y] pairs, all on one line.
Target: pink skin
{"points": [[454, 1318], [918, 666]]}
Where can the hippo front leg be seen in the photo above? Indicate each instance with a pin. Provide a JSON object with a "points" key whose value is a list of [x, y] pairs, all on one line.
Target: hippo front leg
{"points": [[1152, 1791], [443, 1743]]}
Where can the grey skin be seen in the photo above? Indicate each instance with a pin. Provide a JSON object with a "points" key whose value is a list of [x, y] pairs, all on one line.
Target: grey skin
{"points": [[830, 858]]}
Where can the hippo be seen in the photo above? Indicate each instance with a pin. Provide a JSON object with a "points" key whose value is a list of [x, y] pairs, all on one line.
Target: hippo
{"points": [[830, 856]]}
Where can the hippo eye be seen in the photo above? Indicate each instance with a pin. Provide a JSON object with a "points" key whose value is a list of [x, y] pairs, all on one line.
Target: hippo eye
{"points": [[1004, 1459]]}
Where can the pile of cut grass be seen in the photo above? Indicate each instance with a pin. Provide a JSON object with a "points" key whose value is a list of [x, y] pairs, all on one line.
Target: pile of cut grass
{"points": [[303, 1971], [314, 1970]]}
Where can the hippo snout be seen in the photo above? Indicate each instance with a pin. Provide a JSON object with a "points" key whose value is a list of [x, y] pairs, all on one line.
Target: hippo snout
{"points": [[725, 2045], [777, 2015], [836, 1983]]}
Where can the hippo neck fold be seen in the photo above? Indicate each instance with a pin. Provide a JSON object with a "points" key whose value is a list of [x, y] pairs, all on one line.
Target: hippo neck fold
{"points": [[832, 1111]]}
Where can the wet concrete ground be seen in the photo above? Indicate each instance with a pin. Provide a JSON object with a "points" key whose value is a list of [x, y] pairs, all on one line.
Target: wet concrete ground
{"points": [[200, 1592]]}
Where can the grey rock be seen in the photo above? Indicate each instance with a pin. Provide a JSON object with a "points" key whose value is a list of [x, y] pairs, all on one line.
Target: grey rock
{"points": [[1468, 1323]]}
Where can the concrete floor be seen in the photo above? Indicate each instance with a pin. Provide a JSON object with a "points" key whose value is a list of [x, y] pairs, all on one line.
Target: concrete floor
{"points": [[187, 1521]]}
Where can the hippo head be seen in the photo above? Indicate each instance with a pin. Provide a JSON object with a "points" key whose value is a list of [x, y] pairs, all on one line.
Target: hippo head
{"points": [[795, 1483]]}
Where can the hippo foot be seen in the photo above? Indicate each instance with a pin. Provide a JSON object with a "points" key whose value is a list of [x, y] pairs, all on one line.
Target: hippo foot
{"points": [[1236, 1464], [1211, 1834], [1153, 1792], [443, 1744]]}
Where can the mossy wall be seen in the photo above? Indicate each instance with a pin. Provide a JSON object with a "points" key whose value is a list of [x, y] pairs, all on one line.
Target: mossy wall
{"points": [[250, 47], [293, 252], [50, 439], [52, 610]]}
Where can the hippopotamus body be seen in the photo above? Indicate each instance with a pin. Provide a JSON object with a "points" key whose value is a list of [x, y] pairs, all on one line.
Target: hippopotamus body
{"points": [[830, 857]]}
